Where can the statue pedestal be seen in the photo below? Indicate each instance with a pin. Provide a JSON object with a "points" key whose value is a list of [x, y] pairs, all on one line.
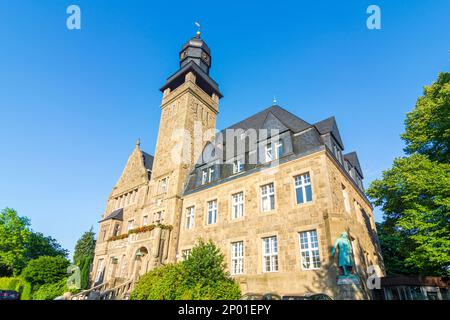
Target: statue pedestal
{"points": [[350, 288]]}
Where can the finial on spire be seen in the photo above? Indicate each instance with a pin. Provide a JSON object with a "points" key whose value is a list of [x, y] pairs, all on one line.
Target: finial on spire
{"points": [[274, 101], [198, 29], [138, 142]]}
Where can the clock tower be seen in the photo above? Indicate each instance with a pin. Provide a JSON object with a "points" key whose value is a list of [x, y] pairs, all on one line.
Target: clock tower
{"points": [[189, 108]]}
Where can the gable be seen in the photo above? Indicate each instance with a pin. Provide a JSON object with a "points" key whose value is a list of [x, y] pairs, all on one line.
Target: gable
{"points": [[273, 123], [134, 174]]}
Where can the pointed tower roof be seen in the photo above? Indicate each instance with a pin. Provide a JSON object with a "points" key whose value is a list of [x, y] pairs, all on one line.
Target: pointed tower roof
{"points": [[195, 56]]}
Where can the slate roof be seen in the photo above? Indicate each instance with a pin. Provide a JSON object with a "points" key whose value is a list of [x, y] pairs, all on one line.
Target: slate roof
{"points": [[352, 157], [329, 126], [148, 160], [256, 121], [178, 78], [115, 215]]}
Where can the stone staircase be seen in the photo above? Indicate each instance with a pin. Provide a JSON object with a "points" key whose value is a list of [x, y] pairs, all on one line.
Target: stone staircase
{"points": [[109, 290]]}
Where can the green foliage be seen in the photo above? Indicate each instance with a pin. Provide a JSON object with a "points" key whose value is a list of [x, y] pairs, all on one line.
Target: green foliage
{"points": [[415, 193], [50, 291], [84, 255], [16, 284], [19, 244], [164, 283], [45, 270], [39, 245], [201, 276], [428, 124], [394, 248], [85, 265], [14, 234], [85, 246]]}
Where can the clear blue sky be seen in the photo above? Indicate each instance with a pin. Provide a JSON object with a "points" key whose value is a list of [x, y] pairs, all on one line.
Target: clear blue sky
{"points": [[73, 103]]}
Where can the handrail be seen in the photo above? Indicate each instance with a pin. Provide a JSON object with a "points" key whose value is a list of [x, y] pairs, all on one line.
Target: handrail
{"points": [[115, 289]]}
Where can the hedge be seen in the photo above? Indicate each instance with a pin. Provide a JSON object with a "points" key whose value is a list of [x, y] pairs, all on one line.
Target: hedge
{"points": [[17, 284]]}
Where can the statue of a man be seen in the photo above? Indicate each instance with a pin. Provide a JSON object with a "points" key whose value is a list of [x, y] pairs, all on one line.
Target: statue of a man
{"points": [[345, 252]]}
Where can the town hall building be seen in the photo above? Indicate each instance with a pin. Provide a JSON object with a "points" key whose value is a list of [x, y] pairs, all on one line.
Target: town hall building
{"points": [[274, 192]]}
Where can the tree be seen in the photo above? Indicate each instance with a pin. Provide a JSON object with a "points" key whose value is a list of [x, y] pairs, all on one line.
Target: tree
{"points": [[428, 124], [45, 270], [14, 235], [201, 276], [39, 245], [84, 256], [85, 246], [415, 193]]}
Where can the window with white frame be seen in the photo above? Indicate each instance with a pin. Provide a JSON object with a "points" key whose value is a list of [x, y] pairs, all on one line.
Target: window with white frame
{"points": [[130, 225], [270, 254], [346, 199], [268, 152], [158, 217], [145, 220], [309, 250], [278, 149], [237, 257], [190, 217], [212, 212], [303, 190], [100, 270], [267, 197], [207, 175], [237, 206], [185, 253], [238, 166]]}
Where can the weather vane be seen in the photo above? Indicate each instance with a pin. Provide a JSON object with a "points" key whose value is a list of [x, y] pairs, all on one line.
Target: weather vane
{"points": [[199, 27]]}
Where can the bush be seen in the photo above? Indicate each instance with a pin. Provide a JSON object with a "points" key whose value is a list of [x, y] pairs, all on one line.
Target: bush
{"points": [[50, 291], [45, 270], [16, 284], [201, 276]]}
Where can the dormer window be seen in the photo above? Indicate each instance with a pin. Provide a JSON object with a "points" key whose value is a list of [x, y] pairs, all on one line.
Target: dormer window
{"points": [[207, 175], [238, 166], [270, 153]]}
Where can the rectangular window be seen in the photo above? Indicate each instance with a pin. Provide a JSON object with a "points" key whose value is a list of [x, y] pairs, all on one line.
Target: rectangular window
{"points": [[145, 220], [238, 166], [163, 185], [270, 254], [116, 231], [267, 197], [185, 253], [237, 206], [303, 190], [237, 257], [268, 152], [158, 217], [207, 175], [309, 250], [346, 200], [212, 212], [130, 225], [100, 269], [190, 217], [204, 176], [279, 149], [210, 174]]}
